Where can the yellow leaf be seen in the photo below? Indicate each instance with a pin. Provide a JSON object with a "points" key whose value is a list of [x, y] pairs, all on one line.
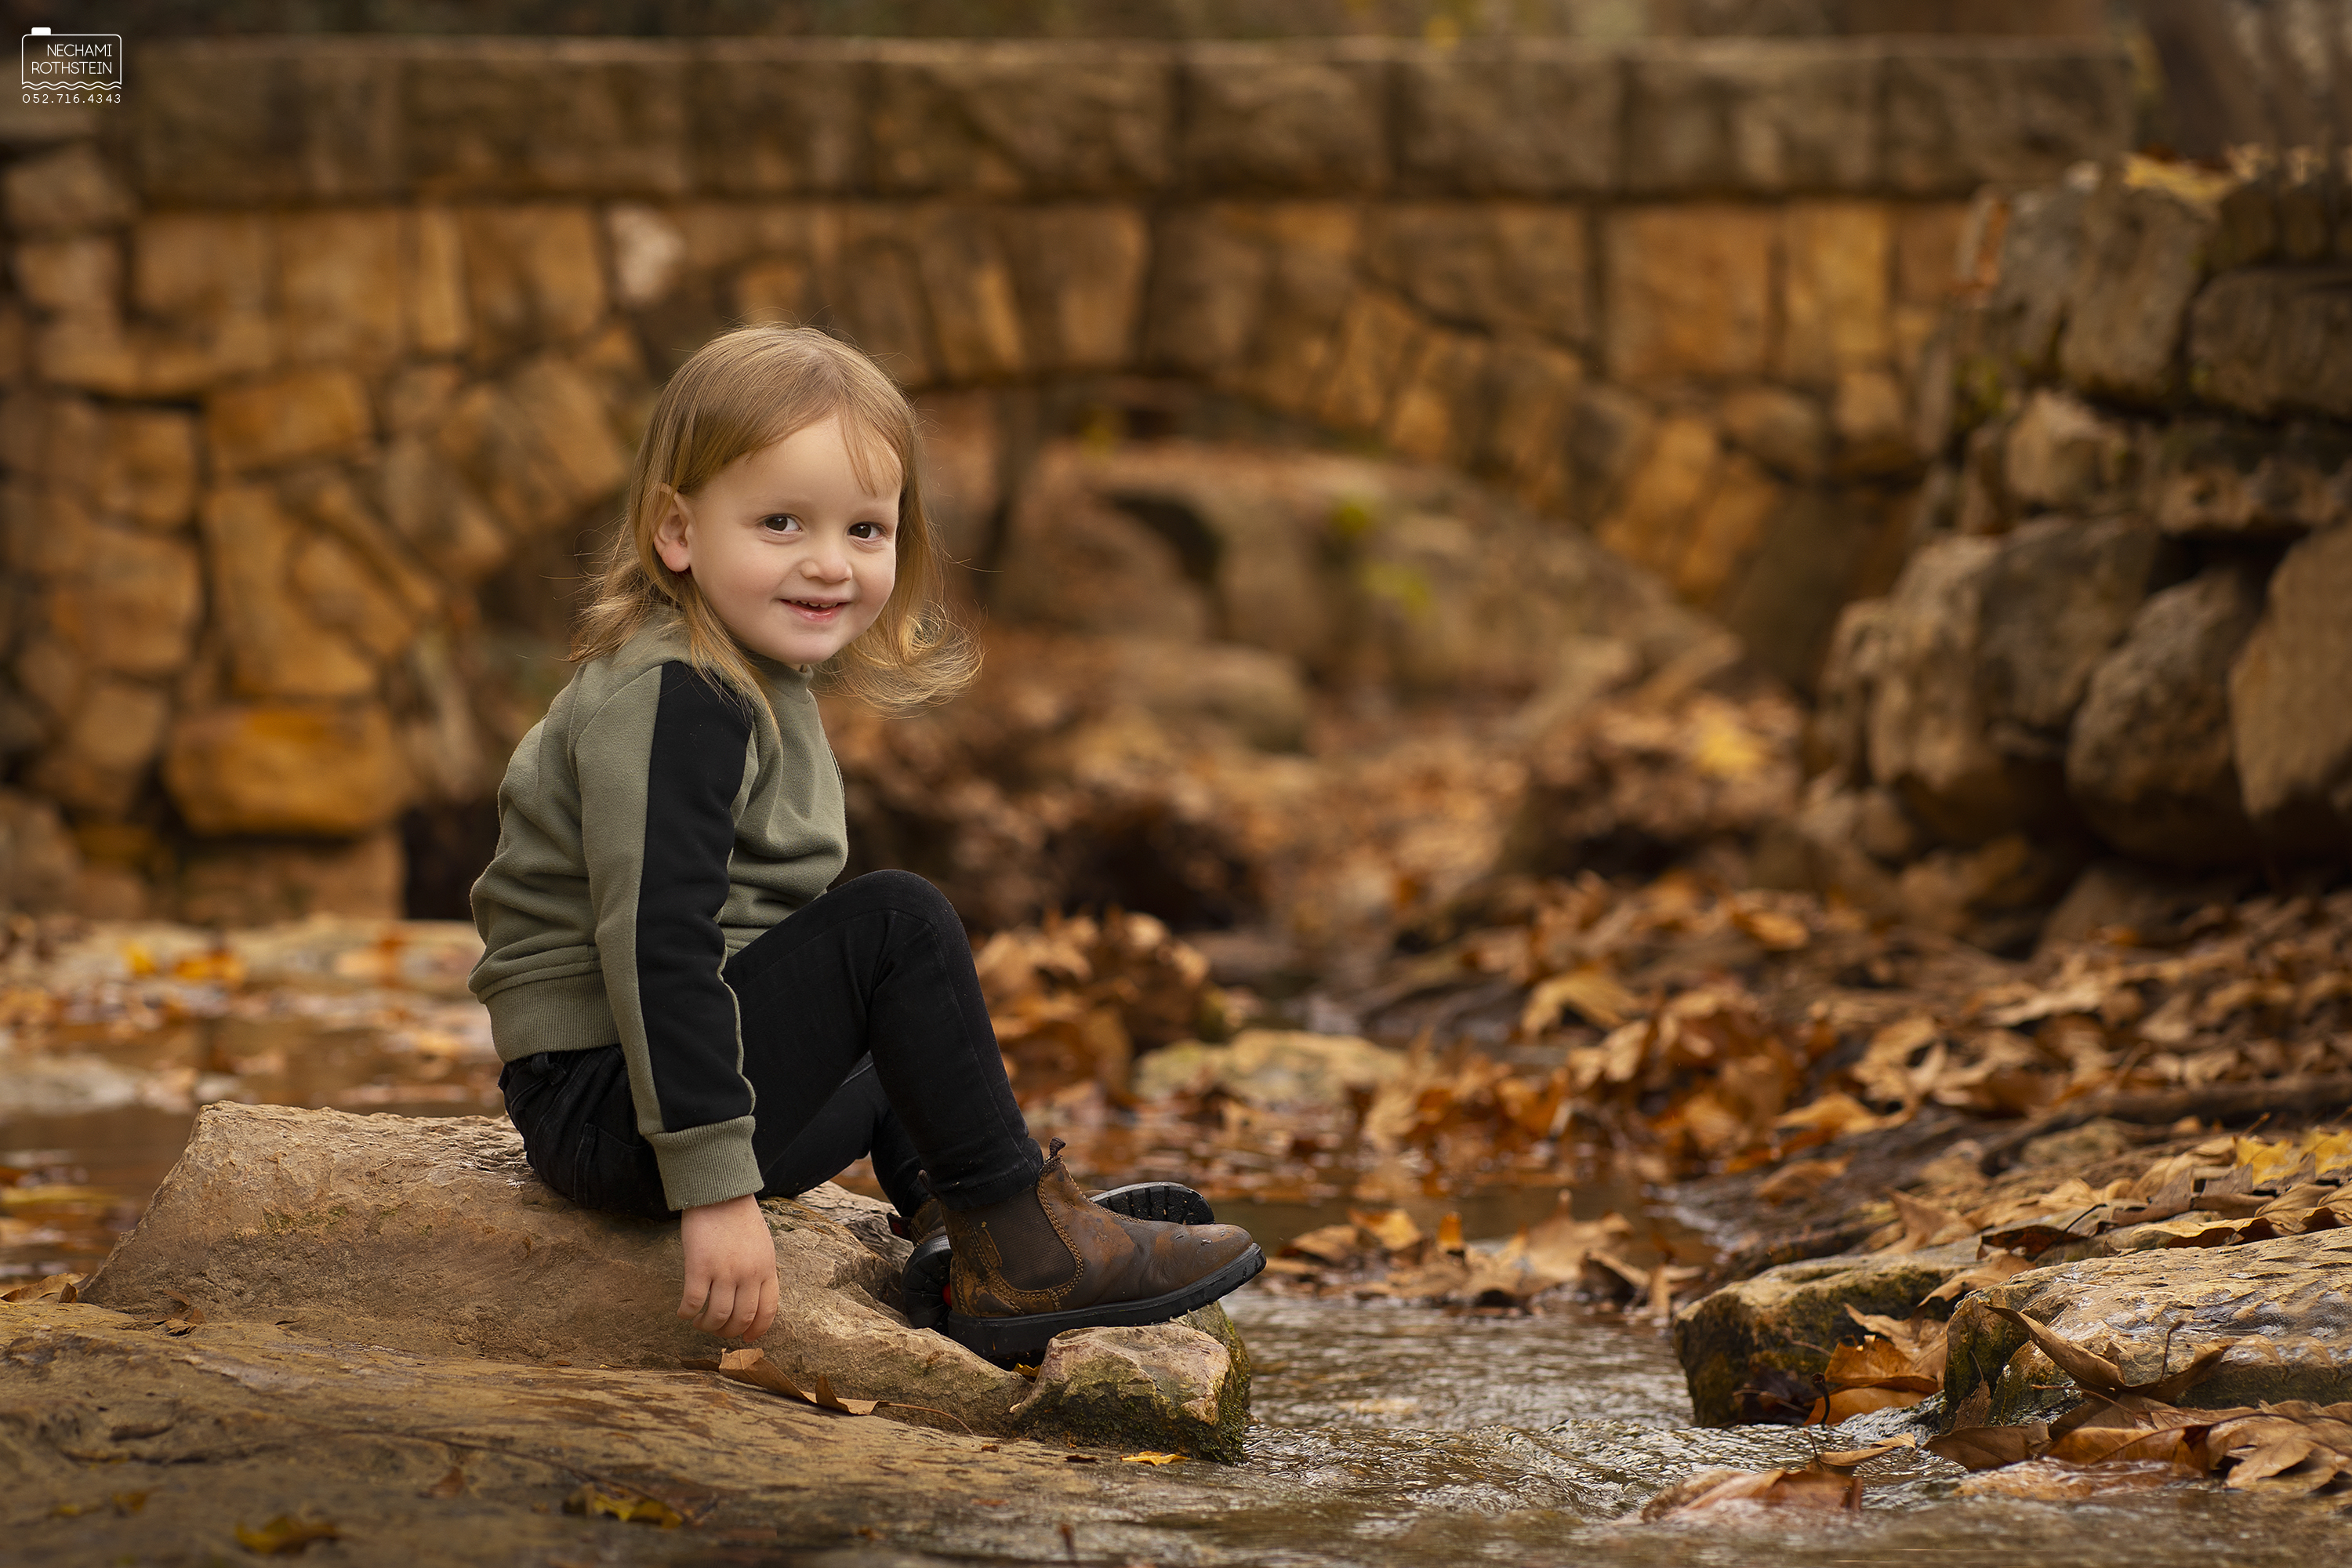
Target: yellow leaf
{"points": [[629, 1508], [1449, 1233], [1153, 1459], [285, 1534], [1392, 1229]]}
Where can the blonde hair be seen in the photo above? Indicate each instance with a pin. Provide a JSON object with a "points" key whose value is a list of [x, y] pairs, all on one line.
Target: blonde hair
{"points": [[742, 391]]}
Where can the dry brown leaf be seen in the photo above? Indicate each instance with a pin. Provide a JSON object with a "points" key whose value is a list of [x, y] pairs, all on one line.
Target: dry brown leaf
{"points": [[824, 1398], [1392, 1229], [628, 1507], [1449, 1233], [1988, 1447], [1925, 1224], [1800, 1179], [2059, 1480], [1816, 1487], [448, 1486], [1149, 1459]]}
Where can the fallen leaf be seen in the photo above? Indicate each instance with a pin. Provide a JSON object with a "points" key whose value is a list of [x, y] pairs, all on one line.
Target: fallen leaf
{"points": [[1152, 1459], [2061, 1480], [285, 1534], [1989, 1448], [448, 1486], [1924, 1223], [1816, 1487], [1392, 1229], [628, 1507], [1990, 1271], [1449, 1233], [1800, 1179], [825, 1399], [1591, 991]]}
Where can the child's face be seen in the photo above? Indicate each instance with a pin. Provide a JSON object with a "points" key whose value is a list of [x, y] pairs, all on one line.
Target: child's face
{"points": [[792, 551]]}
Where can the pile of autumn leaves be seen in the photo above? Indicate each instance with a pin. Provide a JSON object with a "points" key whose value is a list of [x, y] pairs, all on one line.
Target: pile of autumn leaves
{"points": [[1690, 1029]]}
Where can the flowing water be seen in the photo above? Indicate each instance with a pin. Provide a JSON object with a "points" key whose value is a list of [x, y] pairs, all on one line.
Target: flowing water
{"points": [[1384, 1433]]}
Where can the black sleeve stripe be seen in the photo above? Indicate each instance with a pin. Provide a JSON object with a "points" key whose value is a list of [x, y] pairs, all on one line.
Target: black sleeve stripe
{"points": [[700, 735]]}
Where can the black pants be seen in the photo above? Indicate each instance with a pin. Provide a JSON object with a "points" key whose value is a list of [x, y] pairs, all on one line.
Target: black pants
{"points": [[864, 1033]]}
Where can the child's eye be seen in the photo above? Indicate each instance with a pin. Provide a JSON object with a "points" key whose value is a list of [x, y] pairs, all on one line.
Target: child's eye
{"points": [[780, 522], [869, 530]]}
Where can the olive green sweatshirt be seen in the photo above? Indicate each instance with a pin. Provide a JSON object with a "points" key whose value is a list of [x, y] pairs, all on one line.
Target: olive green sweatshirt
{"points": [[649, 827]]}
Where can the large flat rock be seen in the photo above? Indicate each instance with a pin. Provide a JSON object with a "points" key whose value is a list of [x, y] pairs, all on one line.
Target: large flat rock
{"points": [[434, 1237], [2286, 1303]]}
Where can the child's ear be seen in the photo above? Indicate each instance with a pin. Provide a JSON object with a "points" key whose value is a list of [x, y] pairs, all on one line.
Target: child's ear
{"points": [[670, 537]]}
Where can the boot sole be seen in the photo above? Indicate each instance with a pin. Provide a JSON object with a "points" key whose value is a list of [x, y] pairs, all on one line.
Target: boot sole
{"points": [[1171, 1203], [1015, 1341], [923, 1286]]}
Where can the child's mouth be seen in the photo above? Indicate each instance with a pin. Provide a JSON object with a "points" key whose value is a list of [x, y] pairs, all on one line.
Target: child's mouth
{"points": [[817, 609]]}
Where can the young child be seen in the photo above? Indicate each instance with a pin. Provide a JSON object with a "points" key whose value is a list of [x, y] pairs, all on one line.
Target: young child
{"points": [[688, 1018]]}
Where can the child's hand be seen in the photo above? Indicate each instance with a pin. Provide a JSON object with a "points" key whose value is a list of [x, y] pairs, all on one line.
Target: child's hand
{"points": [[730, 1269]]}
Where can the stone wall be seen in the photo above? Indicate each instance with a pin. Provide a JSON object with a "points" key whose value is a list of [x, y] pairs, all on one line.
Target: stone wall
{"points": [[323, 357], [2129, 628]]}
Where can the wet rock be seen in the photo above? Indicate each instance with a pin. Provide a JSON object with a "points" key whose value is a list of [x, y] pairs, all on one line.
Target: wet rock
{"points": [[1790, 1318], [2058, 597], [2212, 477], [313, 769], [2061, 457], [2149, 761], [2290, 725], [1188, 1380], [122, 1429], [2039, 252], [2283, 1300], [434, 1237]]}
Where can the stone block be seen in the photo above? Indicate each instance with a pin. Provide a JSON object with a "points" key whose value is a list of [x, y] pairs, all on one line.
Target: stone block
{"points": [[1376, 341], [1079, 271], [1726, 529], [102, 756], [2058, 594], [317, 770], [1834, 303], [1532, 390], [275, 646], [1689, 292], [2142, 260], [340, 286], [1207, 291], [1503, 267], [302, 414], [975, 314], [342, 593], [250, 122], [2290, 726], [1526, 119], [1018, 119], [534, 275], [1610, 432], [440, 321], [1752, 118], [434, 511], [1960, 116], [147, 469], [648, 254], [2273, 341], [778, 118], [1260, 118], [134, 608], [1785, 429], [1928, 260], [538, 447], [1872, 422], [1075, 560], [1310, 281], [505, 120], [1651, 526], [70, 190], [2061, 455], [2223, 477], [80, 275], [963, 471], [878, 288], [206, 283], [2041, 250], [1440, 407], [1926, 736], [231, 884], [38, 861], [2148, 760]]}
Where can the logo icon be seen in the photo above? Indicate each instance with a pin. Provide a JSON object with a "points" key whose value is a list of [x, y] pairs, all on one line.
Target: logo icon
{"points": [[74, 63]]}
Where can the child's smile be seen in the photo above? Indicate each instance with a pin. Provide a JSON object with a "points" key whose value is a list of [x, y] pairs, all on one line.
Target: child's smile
{"points": [[789, 546]]}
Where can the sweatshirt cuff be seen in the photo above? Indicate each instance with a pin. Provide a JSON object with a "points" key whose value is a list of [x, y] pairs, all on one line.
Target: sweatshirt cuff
{"points": [[707, 1164]]}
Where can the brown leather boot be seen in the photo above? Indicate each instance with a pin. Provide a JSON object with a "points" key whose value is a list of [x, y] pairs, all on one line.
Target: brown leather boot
{"points": [[1049, 1260]]}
